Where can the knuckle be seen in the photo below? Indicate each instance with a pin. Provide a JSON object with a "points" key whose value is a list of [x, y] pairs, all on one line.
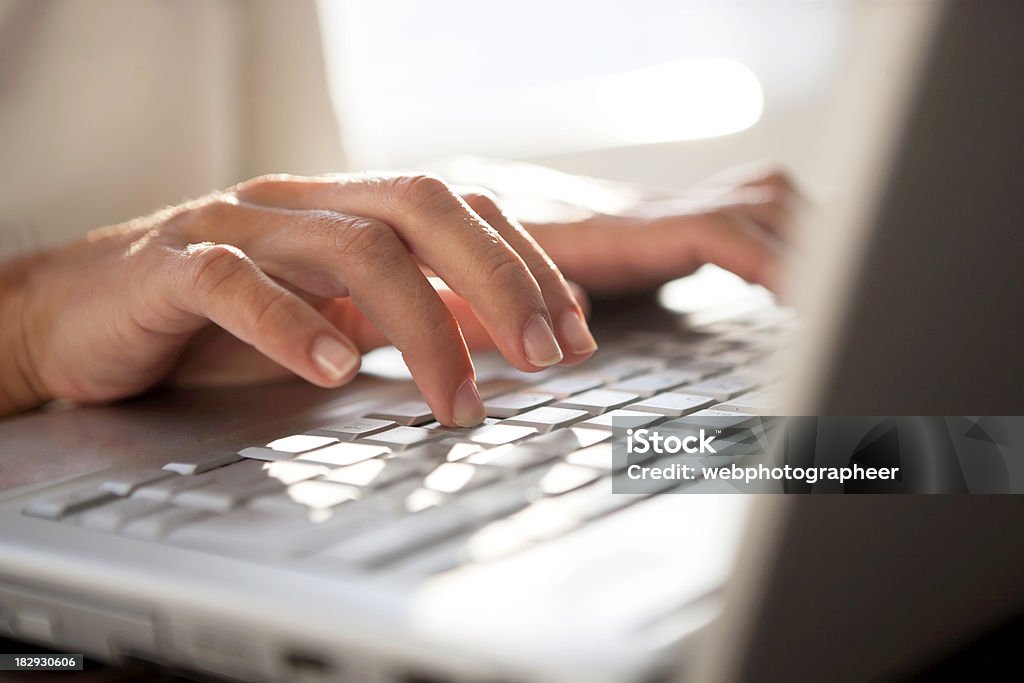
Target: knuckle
{"points": [[269, 186], [218, 209], [780, 180], [442, 327], [265, 180], [483, 202], [361, 239], [502, 270], [265, 312], [213, 264], [413, 192], [547, 273]]}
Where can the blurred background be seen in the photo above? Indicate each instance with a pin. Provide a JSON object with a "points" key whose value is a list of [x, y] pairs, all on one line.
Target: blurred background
{"points": [[199, 95], [658, 92]]}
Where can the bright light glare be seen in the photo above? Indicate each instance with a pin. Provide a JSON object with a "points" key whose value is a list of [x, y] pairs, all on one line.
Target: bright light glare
{"points": [[681, 100]]}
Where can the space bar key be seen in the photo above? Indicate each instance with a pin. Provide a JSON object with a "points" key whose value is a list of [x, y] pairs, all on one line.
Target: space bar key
{"points": [[399, 538]]}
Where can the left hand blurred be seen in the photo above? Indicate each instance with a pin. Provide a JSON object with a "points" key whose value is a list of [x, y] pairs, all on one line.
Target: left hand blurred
{"points": [[738, 220]]}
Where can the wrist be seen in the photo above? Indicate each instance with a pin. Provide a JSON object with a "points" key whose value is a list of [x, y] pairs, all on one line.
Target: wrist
{"points": [[20, 385]]}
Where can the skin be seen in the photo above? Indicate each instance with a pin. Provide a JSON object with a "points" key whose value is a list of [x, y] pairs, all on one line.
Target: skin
{"points": [[287, 275]]}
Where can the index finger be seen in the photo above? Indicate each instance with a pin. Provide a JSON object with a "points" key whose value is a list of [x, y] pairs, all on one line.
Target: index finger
{"points": [[438, 227]]}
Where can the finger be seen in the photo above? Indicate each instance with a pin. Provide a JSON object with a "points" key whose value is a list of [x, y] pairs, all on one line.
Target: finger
{"points": [[570, 323], [218, 282], [761, 205], [777, 180], [346, 316], [332, 254], [365, 334], [438, 227], [732, 241], [621, 257]]}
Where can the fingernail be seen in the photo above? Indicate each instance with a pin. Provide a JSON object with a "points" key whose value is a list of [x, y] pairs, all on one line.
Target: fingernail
{"points": [[539, 342], [333, 358], [467, 408], [576, 333]]}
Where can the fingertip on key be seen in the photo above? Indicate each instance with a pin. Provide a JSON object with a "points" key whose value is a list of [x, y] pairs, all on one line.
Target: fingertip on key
{"points": [[575, 333], [467, 407]]}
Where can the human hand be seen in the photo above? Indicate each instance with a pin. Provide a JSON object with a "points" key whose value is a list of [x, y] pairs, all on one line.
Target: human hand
{"points": [[738, 221], [310, 272]]}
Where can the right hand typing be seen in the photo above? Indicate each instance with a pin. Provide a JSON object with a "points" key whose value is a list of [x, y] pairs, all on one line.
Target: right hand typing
{"points": [[308, 271]]}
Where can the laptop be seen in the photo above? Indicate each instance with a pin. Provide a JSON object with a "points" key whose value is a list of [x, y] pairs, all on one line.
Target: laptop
{"points": [[290, 533]]}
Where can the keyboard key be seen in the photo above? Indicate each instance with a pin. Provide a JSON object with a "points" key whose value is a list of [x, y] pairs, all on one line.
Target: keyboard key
{"points": [[402, 437], [599, 457], [596, 500], [440, 451], [126, 483], [736, 357], [399, 538], [496, 500], [201, 463], [712, 412], [293, 471], [672, 404], [65, 504], [436, 426], [763, 402], [548, 418], [598, 401], [654, 382], [452, 477], [700, 369], [494, 387], [496, 435], [344, 453], [508, 405], [262, 531], [163, 491], [539, 450], [673, 350], [264, 453], [562, 478], [436, 559], [564, 441], [353, 428], [713, 419], [319, 494], [223, 497], [408, 413], [408, 497], [278, 503], [568, 385], [158, 524], [503, 537], [375, 473], [621, 368], [300, 443], [235, 484], [112, 516], [722, 388], [635, 418], [510, 457], [236, 473]]}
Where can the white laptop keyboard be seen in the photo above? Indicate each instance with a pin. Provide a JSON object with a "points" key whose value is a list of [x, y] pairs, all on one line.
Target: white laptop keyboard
{"points": [[396, 488]]}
